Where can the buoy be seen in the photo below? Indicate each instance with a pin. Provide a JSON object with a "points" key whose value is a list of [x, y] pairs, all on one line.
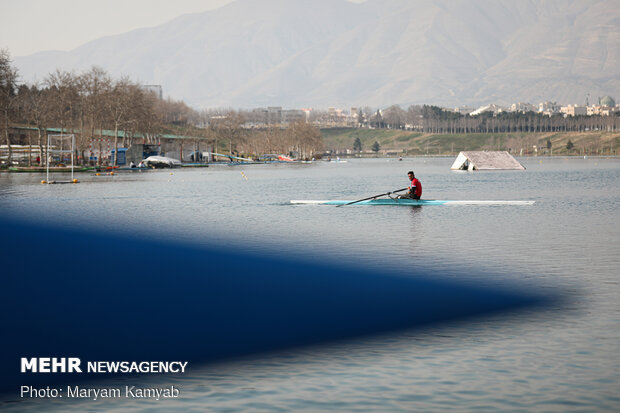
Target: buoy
{"points": [[44, 181], [75, 181], [97, 174], [111, 173]]}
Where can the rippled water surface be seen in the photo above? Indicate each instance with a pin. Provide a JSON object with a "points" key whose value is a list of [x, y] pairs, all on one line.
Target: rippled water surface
{"points": [[563, 360]]}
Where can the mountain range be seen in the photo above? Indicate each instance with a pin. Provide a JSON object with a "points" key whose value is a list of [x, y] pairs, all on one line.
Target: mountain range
{"points": [[322, 53]]}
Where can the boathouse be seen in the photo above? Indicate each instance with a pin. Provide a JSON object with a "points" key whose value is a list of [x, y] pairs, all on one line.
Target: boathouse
{"points": [[486, 160]]}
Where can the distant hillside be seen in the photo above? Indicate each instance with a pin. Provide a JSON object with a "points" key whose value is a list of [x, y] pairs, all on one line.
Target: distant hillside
{"points": [[404, 143], [320, 53]]}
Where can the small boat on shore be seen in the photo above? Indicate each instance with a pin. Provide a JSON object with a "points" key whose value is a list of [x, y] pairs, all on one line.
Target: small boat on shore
{"points": [[285, 158], [161, 162], [409, 202]]}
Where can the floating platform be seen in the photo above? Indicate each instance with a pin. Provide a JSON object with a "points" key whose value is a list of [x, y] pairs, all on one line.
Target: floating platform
{"points": [[75, 181], [486, 161], [52, 169]]}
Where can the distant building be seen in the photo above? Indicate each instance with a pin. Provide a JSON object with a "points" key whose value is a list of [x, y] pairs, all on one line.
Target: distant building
{"points": [[574, 110], [333, 117], [307, 112], [601, 110], [274, 115], [607, 101], [293, 115], [334, 112], [548, 108], [522, 107], [488, 108], [257, 117]]}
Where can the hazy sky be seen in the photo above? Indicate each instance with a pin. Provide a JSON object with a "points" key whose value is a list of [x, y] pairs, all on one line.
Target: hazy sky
{"points": [[29, 26]]}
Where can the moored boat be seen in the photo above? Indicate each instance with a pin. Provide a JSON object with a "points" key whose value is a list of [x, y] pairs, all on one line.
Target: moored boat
{"points": [[161, 162]]}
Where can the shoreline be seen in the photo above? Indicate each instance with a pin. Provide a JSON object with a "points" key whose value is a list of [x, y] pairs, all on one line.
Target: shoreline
{"points": [[80, 169]]}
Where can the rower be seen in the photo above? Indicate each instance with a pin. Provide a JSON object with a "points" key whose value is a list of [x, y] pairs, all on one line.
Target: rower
{"points": [[415, 187]]}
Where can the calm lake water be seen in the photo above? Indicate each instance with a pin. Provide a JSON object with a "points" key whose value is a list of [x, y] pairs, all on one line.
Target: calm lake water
{"points": [[567, 359]]}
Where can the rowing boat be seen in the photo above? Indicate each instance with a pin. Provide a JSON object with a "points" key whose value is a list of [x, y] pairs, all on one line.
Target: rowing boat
{"points": [[409, 202]]}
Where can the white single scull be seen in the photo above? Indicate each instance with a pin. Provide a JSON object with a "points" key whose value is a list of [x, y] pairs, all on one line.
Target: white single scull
{"points": [[409, 202]]}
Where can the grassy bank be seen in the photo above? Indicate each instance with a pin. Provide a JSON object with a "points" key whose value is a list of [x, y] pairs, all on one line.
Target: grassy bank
{"points": [[415, 143]]}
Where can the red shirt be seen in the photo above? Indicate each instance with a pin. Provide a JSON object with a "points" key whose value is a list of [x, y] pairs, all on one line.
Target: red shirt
{"points": [[418, 187]]}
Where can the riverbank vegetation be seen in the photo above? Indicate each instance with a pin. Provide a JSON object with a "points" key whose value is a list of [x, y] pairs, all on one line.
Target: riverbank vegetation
{"points": [[93, 106], [435, 120], [408, 143]]}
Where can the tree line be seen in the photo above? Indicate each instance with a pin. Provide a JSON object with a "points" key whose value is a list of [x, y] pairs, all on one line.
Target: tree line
{"points": [[92, 104], [433, 119], [85, 104]]}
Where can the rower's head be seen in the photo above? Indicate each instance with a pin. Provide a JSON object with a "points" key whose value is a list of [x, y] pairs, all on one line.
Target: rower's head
{"points": [[411, 175]]}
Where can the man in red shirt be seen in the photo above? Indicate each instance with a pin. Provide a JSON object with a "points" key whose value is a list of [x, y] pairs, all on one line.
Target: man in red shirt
{"points": [[415, 188]]}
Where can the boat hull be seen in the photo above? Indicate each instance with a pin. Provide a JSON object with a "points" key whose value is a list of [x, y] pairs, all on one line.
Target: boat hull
{"points": [[410, 202]]}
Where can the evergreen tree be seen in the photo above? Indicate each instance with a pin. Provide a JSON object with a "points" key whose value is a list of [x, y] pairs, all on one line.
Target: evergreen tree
{"points": [[357, 145]]}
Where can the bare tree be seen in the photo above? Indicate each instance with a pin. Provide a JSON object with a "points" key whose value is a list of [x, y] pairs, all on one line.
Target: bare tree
{"points": [[142, 114], [118, 107], [414, 117], [394, 117], [304, 139], [36, 111], [64, 98], [227, 126], [8, 93], [93, 86]]}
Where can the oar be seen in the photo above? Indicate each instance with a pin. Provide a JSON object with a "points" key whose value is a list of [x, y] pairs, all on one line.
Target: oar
{"points": [[372, 197]]}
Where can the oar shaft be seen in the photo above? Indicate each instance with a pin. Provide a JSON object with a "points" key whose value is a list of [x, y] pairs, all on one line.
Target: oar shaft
{"points": [[373, 197]]}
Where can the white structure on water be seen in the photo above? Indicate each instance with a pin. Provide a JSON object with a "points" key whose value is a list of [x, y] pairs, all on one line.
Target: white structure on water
{"points": [[483, 160]]}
